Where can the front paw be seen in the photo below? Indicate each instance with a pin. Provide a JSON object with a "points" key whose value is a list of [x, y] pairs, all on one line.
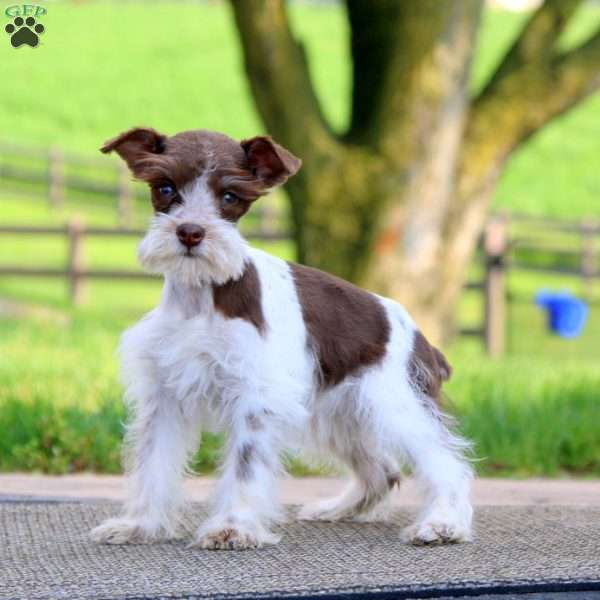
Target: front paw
{"points": [[123, 530], [435, 533], [232, 535]]}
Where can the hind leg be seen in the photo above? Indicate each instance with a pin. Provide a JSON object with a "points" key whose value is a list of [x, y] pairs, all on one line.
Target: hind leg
{"points": [[405, 424], [373, 478], [444, 474], [345, 425], [409, 425], [446, 515]]}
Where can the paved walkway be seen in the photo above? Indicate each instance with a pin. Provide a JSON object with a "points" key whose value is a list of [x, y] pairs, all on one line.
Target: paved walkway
{"points": [[301, 490]]}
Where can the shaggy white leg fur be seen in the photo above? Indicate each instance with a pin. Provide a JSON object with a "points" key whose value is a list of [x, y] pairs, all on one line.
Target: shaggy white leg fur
{"points": [[395, 422], [446, 477], [245, 499], [160, 441]]}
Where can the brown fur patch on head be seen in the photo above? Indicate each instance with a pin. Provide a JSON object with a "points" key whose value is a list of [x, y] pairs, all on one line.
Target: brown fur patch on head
{"points": [[135, 144], [347, 327], [245, 187], [247, 169], [269, 162], [427, 368], [241, 298]]}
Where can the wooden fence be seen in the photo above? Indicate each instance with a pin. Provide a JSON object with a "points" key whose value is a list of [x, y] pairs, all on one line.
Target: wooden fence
{"points": [[499, 252], [506, 238], [58, 176], [55, 176], [75, 271]]}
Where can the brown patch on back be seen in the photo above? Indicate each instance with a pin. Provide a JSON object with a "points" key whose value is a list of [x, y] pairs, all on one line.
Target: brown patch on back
{"points": [[427, 367], [347, 327], [241, 298]]}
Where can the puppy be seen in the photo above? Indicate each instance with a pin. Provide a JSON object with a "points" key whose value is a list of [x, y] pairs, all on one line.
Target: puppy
{"points": [[275, 354]]}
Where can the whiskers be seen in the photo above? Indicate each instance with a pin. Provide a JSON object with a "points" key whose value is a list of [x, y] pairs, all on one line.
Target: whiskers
{"points": [[218, 258]]}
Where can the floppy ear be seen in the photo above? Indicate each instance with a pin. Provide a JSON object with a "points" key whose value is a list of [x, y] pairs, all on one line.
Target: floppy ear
{"points": [[270, 162], [135, 145]]}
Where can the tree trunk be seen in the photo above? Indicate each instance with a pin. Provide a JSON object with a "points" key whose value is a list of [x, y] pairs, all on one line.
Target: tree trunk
{"points": [[367, 192], [335, 230], [397, 203], [405, 262]]}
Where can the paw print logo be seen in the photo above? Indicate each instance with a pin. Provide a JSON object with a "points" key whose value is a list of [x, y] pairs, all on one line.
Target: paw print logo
{"points": [[24, 31]]}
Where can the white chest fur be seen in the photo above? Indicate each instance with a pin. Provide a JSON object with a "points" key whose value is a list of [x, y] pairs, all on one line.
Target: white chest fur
{"points": [[188, 353]]}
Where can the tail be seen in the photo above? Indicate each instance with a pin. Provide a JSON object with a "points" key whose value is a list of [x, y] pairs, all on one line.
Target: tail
{"points": [[427, 368]]}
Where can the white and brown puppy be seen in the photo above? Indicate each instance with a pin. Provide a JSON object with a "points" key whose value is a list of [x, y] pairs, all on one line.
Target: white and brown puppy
{"points": [[273, 353]]}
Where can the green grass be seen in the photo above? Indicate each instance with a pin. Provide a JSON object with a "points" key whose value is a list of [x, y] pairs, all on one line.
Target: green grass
{"points": [[177, 66], [527, 418], [61, 410], [53, 438], [532, 413]]}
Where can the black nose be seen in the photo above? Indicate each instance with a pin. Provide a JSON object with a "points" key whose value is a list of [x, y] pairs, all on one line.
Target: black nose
{"points": [[190, 235]]}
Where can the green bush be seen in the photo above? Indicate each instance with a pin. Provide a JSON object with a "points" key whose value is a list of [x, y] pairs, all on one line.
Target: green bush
{"points": [[46, 437], [519, 427], [527, 427], [42, 436]]}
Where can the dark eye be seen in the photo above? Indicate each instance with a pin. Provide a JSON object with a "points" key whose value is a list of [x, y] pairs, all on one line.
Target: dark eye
{"points": [[166, 190], [230, 199]]}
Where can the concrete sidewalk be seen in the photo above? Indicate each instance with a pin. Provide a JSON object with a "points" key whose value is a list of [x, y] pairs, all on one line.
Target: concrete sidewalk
{"points": [[300, 490]]}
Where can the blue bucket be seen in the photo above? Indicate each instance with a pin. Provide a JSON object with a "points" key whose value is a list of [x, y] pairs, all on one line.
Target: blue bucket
{"points": [[567, 314]]}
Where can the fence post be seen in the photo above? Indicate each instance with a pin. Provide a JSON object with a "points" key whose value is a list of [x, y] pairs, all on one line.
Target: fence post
{"points": [[56, 178], [495, 246], [125, 207], [588, 255], [75, 265]]}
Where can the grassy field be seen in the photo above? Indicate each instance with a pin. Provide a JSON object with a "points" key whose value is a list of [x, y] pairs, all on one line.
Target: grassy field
{"points": [[534, 412], [60, 407], [105, 66]]}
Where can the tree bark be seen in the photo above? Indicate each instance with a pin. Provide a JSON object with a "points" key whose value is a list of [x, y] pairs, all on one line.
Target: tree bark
{"points": [[397, 202], [518, 101], [429, 120]]}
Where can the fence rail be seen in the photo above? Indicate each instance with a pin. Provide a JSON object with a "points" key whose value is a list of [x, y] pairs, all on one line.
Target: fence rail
{"points": [[75, 271], [57, 174], [499, 247]]}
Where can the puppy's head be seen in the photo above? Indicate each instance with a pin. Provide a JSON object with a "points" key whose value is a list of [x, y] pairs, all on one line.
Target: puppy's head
{"points": [[201, 183]]}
